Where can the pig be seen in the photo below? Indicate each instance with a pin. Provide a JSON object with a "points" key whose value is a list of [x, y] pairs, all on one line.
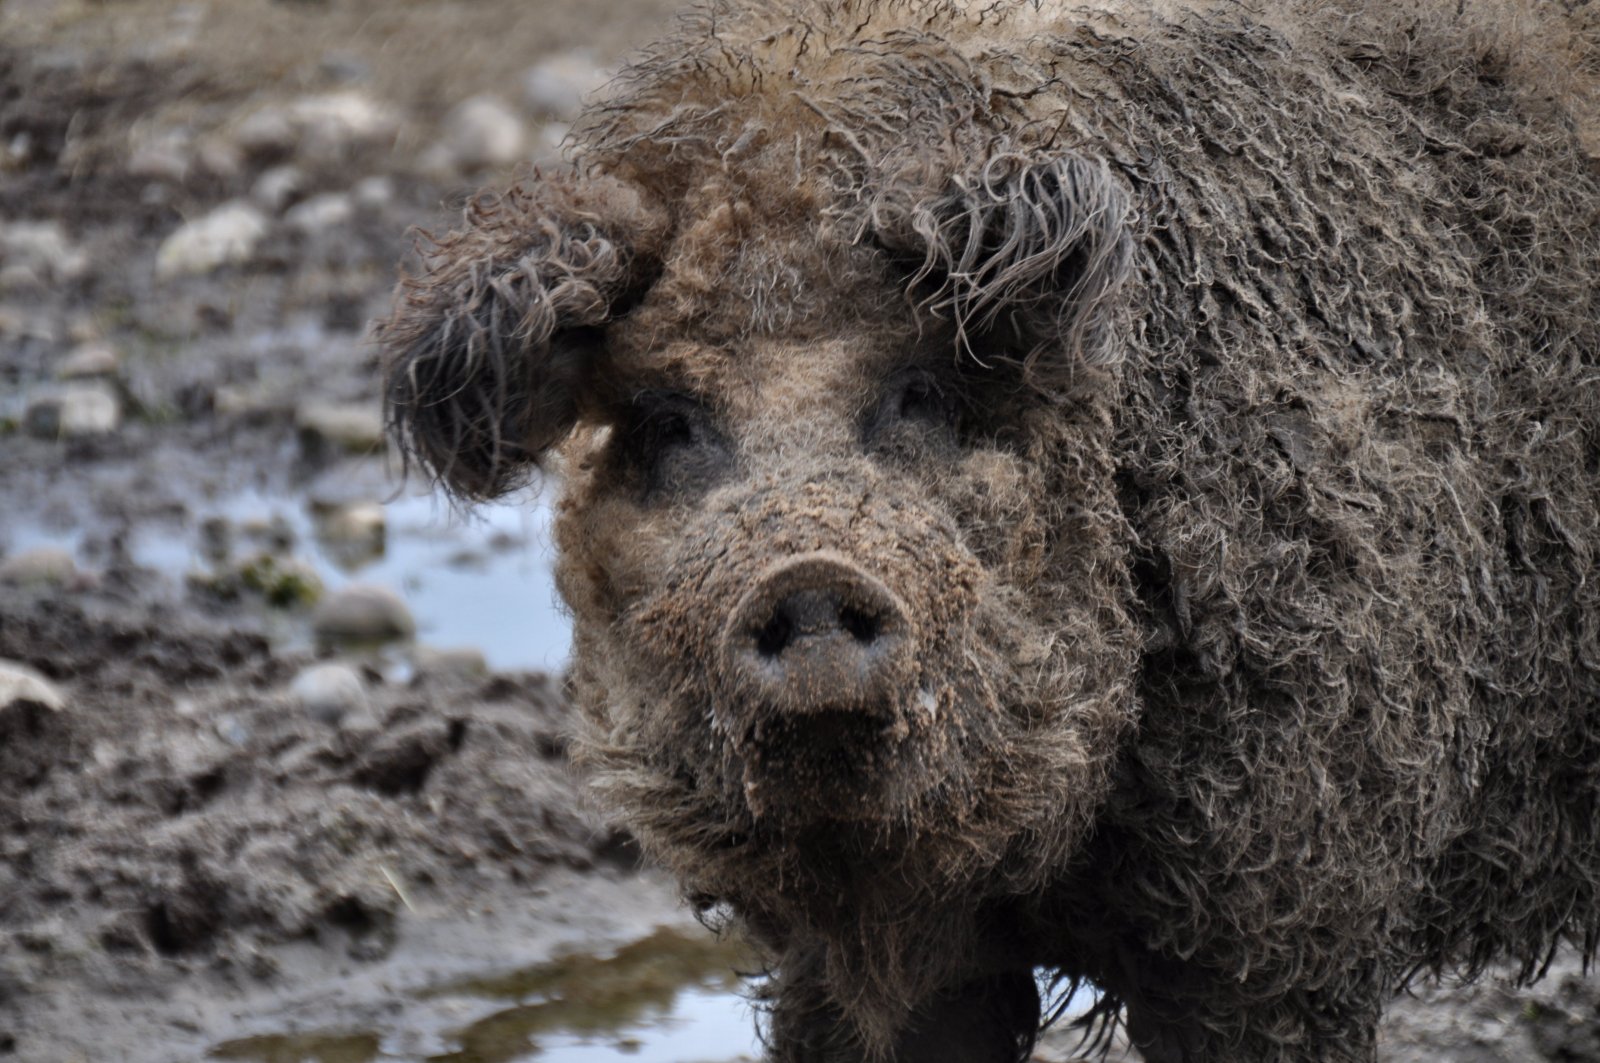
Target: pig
{"points": [[1054, 496]]}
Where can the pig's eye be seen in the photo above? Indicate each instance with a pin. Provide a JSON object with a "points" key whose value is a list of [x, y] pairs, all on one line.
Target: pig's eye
{"points": [[914, 410], [670, 439]]}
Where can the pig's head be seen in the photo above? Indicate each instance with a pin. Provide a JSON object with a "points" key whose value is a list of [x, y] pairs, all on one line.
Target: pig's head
{"points": [[839, 531]]}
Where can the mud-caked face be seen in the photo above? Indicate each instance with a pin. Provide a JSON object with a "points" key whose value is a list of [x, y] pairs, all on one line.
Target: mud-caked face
{"points": [[839, 529], [811, 583]]}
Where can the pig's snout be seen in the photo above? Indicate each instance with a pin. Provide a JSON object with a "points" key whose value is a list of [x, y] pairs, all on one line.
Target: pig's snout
{"points": [[818, 632]]}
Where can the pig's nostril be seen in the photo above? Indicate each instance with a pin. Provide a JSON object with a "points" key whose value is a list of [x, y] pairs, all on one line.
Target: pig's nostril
{"points": [[863, 626], [773, 639]]}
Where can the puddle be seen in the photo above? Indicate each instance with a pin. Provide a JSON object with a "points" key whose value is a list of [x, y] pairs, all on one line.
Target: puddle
{"points": [[481, 579], [671, 997]]}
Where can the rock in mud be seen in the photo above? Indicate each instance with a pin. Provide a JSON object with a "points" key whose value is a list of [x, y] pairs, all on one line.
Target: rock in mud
{"points": [[331, 693], [373, 193], [327, 428], [226, 236], [43, 249], [464, 662], [320, 214], [73, 411], [278, 188], [327, 128], [555, 87], [88, 361], [363, 613], [480, 132], [42, 564], [21, 685], [360, 525]]}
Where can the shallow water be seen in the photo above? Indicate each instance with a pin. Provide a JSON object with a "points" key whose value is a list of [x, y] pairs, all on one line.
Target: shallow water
{"points": [[671, 997], [481, 579]]}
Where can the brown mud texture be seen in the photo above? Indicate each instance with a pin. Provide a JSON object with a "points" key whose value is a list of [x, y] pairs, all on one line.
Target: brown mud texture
{"points": [[181, 824]]}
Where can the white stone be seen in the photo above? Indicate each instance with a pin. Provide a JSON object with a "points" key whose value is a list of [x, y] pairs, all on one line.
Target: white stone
{"points": [[483, 131], [373, 192], [324, 128], [164, 156], [43, 247], [21, 685], [463, 661], [320, 214], [362, 613], [277, 188], [331, 691], [41, 564], [354, 427], [74, 410], [226, 236], [360, 524], [556, 86], [89, 360]]}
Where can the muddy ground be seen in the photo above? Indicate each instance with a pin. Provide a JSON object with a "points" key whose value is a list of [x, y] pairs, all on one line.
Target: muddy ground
{"points": [[287, 780]]}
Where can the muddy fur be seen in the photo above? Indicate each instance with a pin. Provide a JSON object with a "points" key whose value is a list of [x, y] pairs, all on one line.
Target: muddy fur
{"points": [[1215, 388]]}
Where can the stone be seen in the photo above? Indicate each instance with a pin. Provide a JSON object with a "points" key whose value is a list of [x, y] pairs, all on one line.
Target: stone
{"points": [[88, 361], [361, 522], [226, 236], [41, 564], [483, 132], [556, 86], [325, 128], [326, 427], [278, 188], [43, 248], [456, 661], [320, 214], [331, 691], [373, 193], [362, 613], [164, 156], [21, 685], [73, 411]]}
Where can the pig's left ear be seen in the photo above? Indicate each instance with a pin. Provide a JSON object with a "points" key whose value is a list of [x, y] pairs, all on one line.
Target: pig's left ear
{"points": [[492, 346], [1025, 258]]}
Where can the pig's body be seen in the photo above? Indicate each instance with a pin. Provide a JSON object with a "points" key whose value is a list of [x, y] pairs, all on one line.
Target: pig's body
{"points": [[1109, 491]]}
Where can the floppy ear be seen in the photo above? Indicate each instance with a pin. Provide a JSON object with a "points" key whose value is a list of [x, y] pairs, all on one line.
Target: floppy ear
{"points": [[1025, 256], [489, 348]]}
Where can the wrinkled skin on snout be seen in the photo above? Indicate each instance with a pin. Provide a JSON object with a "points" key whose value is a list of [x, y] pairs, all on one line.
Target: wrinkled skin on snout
{"points": [[847, 582]]}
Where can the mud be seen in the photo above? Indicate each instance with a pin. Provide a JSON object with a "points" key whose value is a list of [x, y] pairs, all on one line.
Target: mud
{"points": [[193, 864]]}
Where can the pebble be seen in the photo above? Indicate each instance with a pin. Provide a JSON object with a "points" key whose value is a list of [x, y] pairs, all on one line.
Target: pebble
{"points": [[43, 248], [372, 193], [479, 132], [463, 661], [164, 156], [363, 613], [73, 411], [322, 128], [21, 685], [331, 691], [321, 213], [360, 524], [88, 361], [226, 236], [278, 188], [325, 426], [42, 564], [555, 87]]}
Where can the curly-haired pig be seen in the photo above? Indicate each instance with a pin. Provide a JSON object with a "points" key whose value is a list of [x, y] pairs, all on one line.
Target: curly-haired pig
{"points": [[1099, 494]]}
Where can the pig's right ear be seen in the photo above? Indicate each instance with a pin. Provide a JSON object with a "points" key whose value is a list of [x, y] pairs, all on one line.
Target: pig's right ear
{"points": [[491, 347]]}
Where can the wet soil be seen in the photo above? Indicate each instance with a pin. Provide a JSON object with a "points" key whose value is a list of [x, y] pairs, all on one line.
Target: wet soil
{"points": [[196, 862]]}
